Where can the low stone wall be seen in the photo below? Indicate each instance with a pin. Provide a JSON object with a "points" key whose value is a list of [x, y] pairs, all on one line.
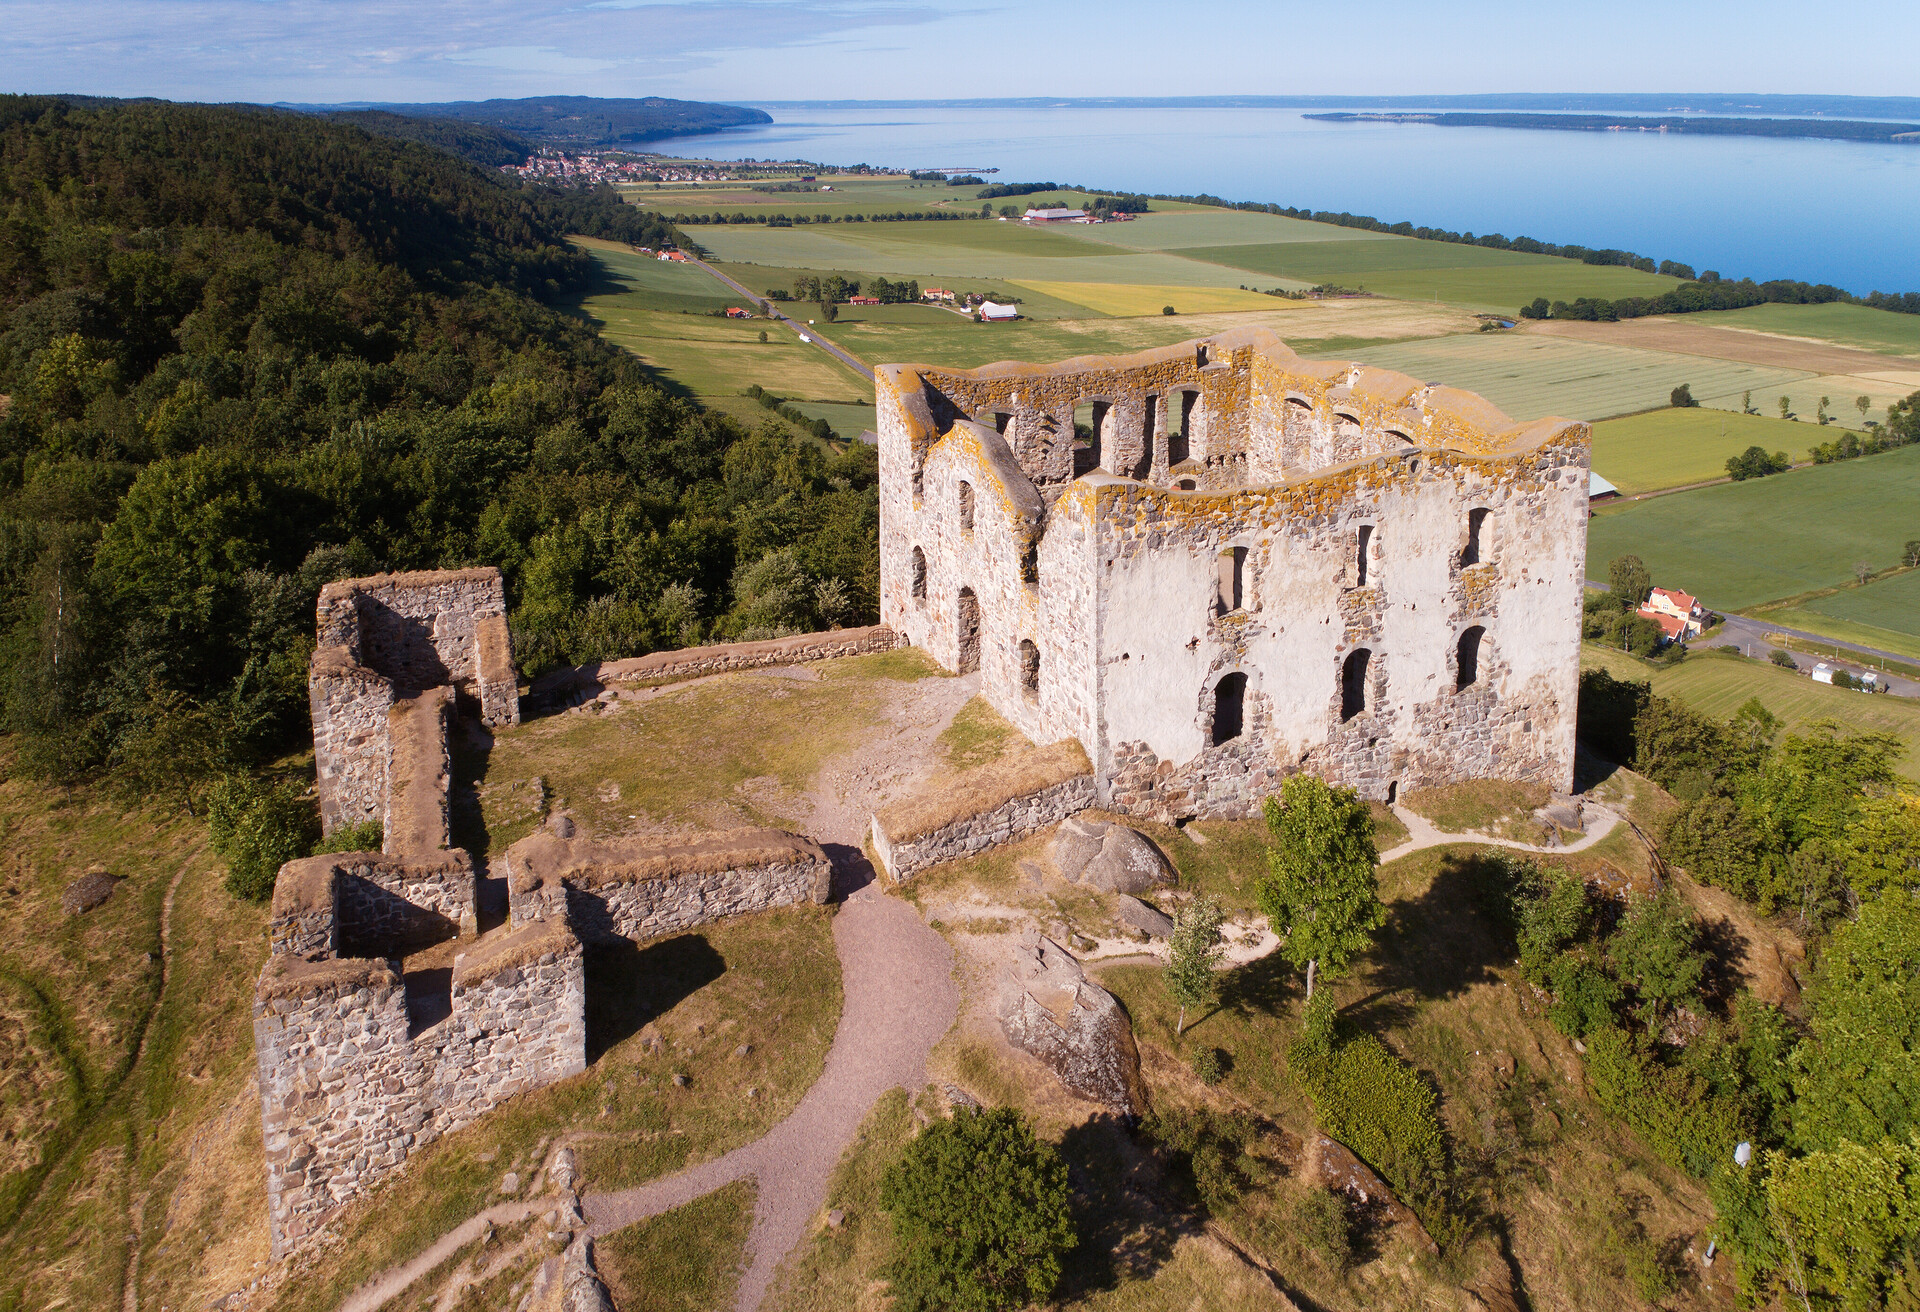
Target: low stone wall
{"points": [[496, 680], [984, 808], [347, 1093], [418, 774], [573, 685], [641, 888], [338, 902]]}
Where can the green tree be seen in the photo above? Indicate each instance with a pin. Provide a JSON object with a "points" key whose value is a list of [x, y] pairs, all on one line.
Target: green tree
{"points": [[1820, 414], [1656, 951], [980, 1215], [1910, 554], [1786, 406], [1193, 953], [1681, 398], [1746, 403], [1863, 404], [1857, 1077], [1320, 893], [1629, 579], [1844, 1215], [258, 826]]}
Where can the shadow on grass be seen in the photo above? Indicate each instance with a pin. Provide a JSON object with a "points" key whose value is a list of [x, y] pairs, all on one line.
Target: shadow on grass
{"points": [[1123, 1235], [1442, 942], [1268, 986], [628, 985]]}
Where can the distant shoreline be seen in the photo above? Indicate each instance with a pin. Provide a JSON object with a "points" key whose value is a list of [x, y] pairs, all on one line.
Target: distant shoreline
{"points": [[1826, 129]]}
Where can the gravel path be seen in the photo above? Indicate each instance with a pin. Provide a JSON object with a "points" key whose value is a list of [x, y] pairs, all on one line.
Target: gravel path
{"points": [[1422, 834]]}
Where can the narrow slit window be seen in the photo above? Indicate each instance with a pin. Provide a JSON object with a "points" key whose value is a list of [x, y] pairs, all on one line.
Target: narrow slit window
{"points": [[1467, 671], [1353, 684], [1180, 435], [919, 575], [966, 507], [1232, 581], [1476, 538], [1029, 667], [969, 631], [1229, 708], [1362, 547]]}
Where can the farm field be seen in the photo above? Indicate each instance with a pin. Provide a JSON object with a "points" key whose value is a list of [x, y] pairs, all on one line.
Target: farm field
{"points": [[711, 358], [764, 277], [1129, 300], [1803, 399], [1889, 604], [1839, 630], [1717, 684], [644, 282], [1739, 545], [851, 194], [1475, 276], [1530, 376], [1159, 231], [1846, 325], [1671, 448]]}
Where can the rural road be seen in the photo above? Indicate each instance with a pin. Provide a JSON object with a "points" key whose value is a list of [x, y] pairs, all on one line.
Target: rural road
{"points": [[900, 998], [798, 328]]}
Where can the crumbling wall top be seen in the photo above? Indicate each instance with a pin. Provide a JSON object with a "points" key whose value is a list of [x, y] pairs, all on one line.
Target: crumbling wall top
{"points": [[520, 948], [592, 863], [983, 788], [289, 976]]}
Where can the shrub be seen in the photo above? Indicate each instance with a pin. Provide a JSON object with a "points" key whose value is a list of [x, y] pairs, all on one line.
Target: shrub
{"points": [[1626, 1241], [1168, 309], [1209, 1066], [1324, 1218], [257, 826], [366, 836], [1584, 996], [1382, 1110], [1687, 1126], [1783, 658], [980, 1218], [1204, 1153]]}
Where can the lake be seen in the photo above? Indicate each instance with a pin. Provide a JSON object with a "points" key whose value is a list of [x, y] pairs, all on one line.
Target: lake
{"points": [[1823, 211]]}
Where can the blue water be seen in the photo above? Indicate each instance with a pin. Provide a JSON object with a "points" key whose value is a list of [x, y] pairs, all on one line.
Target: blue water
{"points": [[1823, 211]]}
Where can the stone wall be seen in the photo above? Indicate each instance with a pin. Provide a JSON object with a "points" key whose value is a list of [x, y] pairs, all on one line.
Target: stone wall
{"points": [[983, 808], [572, 685], [369, 903], [349, 704], [641, 888], [1133, 603], [347, 1092], [419, 771]]}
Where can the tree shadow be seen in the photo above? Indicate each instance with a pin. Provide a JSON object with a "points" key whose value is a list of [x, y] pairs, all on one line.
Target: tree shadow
{"points": [[1267, 985], [628, 985], [1126, 1233], [1590, 769], [1725, 948], [1443, 942]]}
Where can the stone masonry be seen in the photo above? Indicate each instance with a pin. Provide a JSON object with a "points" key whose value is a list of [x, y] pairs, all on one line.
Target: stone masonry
{"points": [[571, 685], [1219, 563], [985, 807]]}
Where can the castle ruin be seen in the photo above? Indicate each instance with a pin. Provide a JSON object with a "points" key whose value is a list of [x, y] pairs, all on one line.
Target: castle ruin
{"points": [[1218, 563]]}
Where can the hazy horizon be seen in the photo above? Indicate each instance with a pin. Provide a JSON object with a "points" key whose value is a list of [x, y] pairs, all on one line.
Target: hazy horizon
{"points": [[761, 51]]}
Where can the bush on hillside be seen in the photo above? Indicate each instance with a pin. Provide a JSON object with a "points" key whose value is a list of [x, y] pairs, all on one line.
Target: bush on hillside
{"points": [[258, 825], [980, 1216]]}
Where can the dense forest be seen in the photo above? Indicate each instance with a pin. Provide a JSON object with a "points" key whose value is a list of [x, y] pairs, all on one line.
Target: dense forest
{"points": [[579, 121], [245, 352]]}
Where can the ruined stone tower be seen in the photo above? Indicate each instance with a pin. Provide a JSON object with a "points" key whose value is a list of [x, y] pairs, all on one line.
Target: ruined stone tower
{"points": [[1239, 565]]}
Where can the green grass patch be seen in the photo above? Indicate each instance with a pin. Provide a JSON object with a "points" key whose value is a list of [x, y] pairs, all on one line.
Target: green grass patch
{"points": [[1890, 605], [1206, 229], [688, 1259], [1531, 376], [979, 735], [1739, 545], [1719, 683], [1672, 448], [653, 284], [1501, 808], [965, 345], [1843, 325], [764, 277]]}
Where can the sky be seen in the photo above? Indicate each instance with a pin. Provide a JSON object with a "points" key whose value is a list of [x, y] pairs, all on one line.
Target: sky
{"points": [[756, 50]]}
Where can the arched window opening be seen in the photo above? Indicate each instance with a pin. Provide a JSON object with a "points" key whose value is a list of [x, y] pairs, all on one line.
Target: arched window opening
{"points": [[1180, 434], [1232, 578], [919, 575], [1029, 667], [969, 632], [1399, 437], [1362, 549], [1187, 485], [1229, 708], [1467, 672], [1353, 684], [1476, 537], [966, 507]]}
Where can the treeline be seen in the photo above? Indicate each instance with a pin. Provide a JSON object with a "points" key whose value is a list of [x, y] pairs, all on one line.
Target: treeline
{"points": [[788, 220], [1813, 828], [1709, 292], [245, 354], [1826, 128]]}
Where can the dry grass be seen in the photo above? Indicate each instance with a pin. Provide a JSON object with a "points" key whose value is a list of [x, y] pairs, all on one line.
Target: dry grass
{"points": [[688, 1259], [837, 1269], [983, 788], [1498, 808]]}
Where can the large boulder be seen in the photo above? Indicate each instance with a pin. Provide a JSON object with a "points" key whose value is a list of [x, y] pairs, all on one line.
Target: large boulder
{"points": [[1149, 920], [1109, 857], [87, 892], [1049, 1008]]}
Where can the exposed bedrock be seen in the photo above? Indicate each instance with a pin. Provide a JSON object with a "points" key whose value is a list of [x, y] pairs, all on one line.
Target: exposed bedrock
{"points": [[1050, 1009]]}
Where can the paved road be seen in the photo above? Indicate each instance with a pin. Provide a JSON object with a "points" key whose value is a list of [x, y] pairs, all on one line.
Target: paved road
{"points": [[798, 328], [1750, 636]]}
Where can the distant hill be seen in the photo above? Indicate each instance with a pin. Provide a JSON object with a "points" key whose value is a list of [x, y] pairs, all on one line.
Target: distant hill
{"points": [[575, 121], [474, 142]]}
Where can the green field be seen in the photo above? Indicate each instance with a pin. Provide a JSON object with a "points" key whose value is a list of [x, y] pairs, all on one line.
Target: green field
{"points": [[1891, 604], [763, 277], [850, 195], [1476, 276], [1671, 448], [1739, 545], [1530, 376], [1843, 325], [643, 282], [1169, 232], [966, 345], [1838, 630], [1717, 684]]}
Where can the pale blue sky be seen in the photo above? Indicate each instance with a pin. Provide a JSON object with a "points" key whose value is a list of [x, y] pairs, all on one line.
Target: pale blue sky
{"points": [[338, 50]]}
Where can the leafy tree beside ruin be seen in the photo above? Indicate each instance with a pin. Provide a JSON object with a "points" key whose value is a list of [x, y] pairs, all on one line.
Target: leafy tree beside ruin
{"points": [[980, 1215], [1193, 957], [1320, 893]]}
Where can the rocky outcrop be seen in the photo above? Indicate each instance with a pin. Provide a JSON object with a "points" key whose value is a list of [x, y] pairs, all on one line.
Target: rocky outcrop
{"points": [[1109, 857], [87, 892], [1149, 920], [1050, 1009]]}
